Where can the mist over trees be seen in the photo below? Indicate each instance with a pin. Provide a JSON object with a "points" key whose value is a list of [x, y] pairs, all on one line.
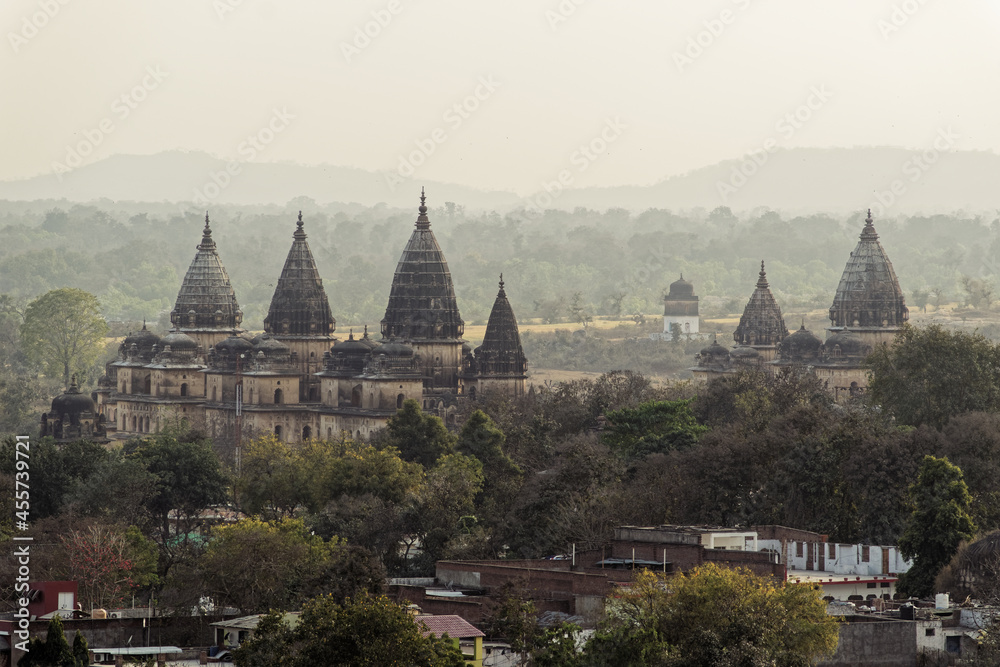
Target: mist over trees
{"points": [[560, 266]]}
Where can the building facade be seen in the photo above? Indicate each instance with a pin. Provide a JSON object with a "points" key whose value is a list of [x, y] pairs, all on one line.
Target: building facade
{"points": [[295, 379]]}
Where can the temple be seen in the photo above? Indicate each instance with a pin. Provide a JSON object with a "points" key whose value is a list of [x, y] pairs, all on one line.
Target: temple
{"points": [[295, 379]]}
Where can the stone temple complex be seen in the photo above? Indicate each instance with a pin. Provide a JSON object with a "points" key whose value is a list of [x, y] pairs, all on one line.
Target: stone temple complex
{"points": [[295, 379], [868, 310]]}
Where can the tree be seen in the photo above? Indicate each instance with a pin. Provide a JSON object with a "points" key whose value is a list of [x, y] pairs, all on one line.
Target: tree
{"points": [[53, 651], [63, 332], [363, 631], [188, 480], [480, 437], [929, 375], [939, 523], [713, 616], [445, 505], [99, 560], [81, 652], [258, 565], [655, 427], [419, 437]]}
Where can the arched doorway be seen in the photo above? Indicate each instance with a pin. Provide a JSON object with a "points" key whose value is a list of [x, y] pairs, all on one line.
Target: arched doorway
{"points": [[306, 433], [277, 397]]}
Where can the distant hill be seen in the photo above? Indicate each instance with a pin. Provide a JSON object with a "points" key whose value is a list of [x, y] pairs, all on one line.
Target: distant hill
{"points": [[818, 179], [178, 176], [810, 180]]}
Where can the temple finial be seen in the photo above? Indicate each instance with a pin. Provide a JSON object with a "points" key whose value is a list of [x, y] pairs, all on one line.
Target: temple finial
{"points": [[72, 384], [422, 221], [869, 218], [366, 331], [300, 220]]}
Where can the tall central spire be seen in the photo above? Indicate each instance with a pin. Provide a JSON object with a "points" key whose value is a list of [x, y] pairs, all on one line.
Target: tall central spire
{"points": [[762, 323], [299, 306], [422, 301]]}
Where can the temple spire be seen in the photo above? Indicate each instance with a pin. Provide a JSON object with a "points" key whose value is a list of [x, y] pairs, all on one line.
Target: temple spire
{"points": [[762, 277], [207, 243], [502, 292]]}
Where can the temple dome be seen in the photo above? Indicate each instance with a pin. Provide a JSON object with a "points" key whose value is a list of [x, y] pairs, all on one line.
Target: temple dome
{"points": [[868, 294], [179, 341], [144, 340], [351, 346], [802, 345], [422, 303], [681, 289], [395, 349], [73, 403], [299, 306], [761, 322], [845, 344], [206, 299]]}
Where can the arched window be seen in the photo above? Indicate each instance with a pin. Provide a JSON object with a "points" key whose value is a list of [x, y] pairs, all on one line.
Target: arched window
{"points": [[184, 389], [277, 430], [146, 425], [329, 397], [399, 401], [306, 433], [133, 423], [250, 395], [214, 394], [313, 394], [356, 396], [146, 385], [329, 433], [123, 386], [277, 397]]}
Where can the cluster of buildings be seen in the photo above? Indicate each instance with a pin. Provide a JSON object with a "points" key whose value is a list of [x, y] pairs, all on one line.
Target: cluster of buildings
{"points": [[296, 380], [868, 309]]}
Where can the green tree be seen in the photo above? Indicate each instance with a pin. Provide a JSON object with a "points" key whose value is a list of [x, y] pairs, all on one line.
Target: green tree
{"points": [[363, 631], [53, 651], [188, 480], [655, 427], [445, 505], [714, 616], [81, 653], [63, 332], [419, 437], [257, 565], [930, 374], [55, 470], [480, 437], [939, 523]]}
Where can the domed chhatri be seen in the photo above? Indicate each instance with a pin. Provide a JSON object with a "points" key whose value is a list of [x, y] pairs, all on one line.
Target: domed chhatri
{"points": [[73, 416], [868, 299], [713, 361], [761, 326], [680, 308], [802, 347], [498, 363], [206, 306]]}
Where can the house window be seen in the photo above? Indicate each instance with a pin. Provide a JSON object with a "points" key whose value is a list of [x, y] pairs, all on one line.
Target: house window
{"points": [[872, 584], [884, 584], [929, 632], [800, 549], [865, 554], [832, 549]]}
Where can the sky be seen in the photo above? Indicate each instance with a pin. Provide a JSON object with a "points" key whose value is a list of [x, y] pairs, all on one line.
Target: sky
{"points": [[495, 95]]}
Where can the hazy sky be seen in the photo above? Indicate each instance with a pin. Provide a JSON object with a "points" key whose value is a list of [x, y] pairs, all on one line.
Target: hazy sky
{"points": [[534, 80]]}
